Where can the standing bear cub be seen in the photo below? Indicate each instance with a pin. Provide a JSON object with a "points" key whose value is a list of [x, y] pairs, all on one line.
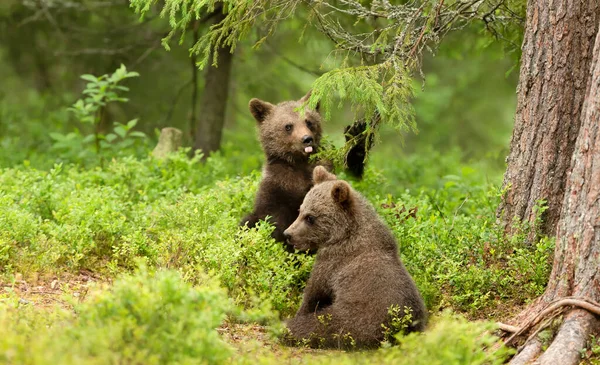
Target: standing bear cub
{"points": [[288, 138], [357, 275]]}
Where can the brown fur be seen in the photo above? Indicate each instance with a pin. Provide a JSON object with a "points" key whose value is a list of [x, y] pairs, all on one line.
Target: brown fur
{"points": [[287, 174], [357, 274]]}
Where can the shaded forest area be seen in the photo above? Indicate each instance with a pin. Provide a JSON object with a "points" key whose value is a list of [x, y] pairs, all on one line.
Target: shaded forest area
{"points": [[484, 117], [48, 45]]}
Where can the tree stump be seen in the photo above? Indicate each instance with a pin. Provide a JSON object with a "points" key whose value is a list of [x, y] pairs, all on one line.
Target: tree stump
{"points": [[168, 142]]}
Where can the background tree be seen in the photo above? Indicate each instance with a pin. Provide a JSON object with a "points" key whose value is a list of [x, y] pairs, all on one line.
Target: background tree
{"points": [[557, 54], [209, 119]]}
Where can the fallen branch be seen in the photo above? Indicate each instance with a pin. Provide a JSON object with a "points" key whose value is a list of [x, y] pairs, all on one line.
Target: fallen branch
{"points": [[507, 327]]}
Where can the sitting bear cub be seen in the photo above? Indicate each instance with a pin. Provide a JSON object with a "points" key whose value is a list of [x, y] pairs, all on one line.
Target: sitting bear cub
{"points": [[357, 275]]}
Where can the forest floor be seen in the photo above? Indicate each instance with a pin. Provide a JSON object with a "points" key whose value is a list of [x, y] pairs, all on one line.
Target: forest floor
{"points": [[251, 340]]}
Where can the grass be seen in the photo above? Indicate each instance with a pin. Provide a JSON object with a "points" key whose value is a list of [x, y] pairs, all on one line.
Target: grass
{"points": [[112, 264]]}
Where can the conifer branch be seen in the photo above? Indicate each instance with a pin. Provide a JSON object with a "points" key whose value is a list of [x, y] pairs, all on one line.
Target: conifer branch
{"points": [[382, 43]]}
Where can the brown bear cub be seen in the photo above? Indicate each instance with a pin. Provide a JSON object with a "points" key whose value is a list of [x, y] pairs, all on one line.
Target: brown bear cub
{"points": [[357, 275], [288, 138]]}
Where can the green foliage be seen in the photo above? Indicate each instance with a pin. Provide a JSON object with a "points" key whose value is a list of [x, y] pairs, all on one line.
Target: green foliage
{"points": [[452, 340], [470, 264], [363, 86], [380, 44], [180, 214], [183, 215], [145, 318], [400, 320], [25, 126], [36, 337], [99, 93], [465, 91], [449, 340], [448, 113], [384, 87], [164, 211], [591, 353], [154, 319], [26, 332]]}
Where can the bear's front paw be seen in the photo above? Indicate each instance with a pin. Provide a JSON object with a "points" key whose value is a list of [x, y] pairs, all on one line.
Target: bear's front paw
{"points": [[361, 143], [356, 130]]}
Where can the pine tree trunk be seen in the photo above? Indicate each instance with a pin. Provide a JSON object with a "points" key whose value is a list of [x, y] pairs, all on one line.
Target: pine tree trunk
{"points": [[576, 269], [213, 102], [557, 53]]}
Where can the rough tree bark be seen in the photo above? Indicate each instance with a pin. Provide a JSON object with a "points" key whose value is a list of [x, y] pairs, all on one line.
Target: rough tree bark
{"points": [[213, 102], [576, 268], [557, 53]]}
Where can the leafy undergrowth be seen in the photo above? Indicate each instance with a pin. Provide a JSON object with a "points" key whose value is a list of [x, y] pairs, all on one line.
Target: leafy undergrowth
{"points": [[70, 239], [159, 318], [591, 354]]}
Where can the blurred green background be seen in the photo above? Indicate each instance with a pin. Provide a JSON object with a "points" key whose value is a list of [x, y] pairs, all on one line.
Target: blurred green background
{"points": [[464, 107]]}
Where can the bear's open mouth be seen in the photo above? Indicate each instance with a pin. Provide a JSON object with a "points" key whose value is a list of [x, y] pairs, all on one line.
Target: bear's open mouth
{"points": [[308, 149]]}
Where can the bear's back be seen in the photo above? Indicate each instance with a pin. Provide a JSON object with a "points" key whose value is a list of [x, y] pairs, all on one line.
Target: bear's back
{"points": [[374, 281]]}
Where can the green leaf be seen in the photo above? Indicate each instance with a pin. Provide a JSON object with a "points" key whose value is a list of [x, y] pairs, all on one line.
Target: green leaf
{"points": [[57, 136], [510, 70], [88, 138], [121, 131], [111, 95], [110, 137], [125, 143], [137, 134], [88, 119], [89, 77], [132, 123]]}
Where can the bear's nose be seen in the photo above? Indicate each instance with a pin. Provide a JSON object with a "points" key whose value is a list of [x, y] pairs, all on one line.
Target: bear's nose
{"points": [[307, 139], [287, 236]]}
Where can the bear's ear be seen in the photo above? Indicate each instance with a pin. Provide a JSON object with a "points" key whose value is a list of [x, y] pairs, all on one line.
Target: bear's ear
{"points": [[305, 99], [260, 109], [341, 192], [321, 174]]}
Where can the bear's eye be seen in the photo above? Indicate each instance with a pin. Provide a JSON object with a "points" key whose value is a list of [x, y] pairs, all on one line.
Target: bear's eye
{"points": [[288, 127], [309, 124], [310, 219]]}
